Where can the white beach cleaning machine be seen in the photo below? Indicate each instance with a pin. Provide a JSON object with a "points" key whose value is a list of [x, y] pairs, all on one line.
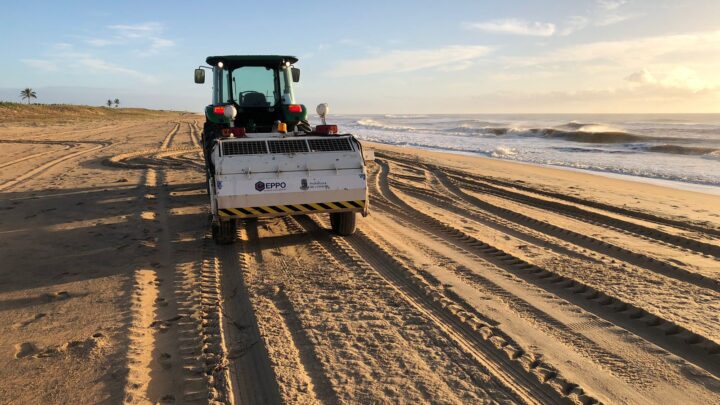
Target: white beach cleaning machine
{"points": [[263, 159]]}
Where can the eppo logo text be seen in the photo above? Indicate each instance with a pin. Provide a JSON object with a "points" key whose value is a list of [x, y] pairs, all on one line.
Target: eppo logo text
{"points": [[270, 185]]}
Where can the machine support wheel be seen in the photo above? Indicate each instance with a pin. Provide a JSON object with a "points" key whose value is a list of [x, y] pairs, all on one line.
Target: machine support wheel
{"points": [[343, 223], [224, 232]]}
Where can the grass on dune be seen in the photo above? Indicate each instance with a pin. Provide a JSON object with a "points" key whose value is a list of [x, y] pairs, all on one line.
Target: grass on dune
{"points": [[46, 114]]}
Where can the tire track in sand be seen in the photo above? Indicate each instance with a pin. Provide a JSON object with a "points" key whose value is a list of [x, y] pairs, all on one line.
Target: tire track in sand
{"points": [[34, 155], [169, 137], [643, 216], [572, 211], [465, 205], [622, 211], [532, 380], [301, 376], [678, 340], [369, 343], [654, 235], [568, 337], [139, 360], [251, 377], [48, 165]]}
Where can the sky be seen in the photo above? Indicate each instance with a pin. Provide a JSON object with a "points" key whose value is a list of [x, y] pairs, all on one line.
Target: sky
{"points": [[377, 57]]}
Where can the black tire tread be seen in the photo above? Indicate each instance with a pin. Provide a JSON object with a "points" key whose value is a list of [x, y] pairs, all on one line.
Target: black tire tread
{"points": [[224, 232], [343, 223]]}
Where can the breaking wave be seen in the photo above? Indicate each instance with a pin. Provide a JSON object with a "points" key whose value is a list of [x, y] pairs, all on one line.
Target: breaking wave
{"points": [[572, 131], [590, 137], [595, 136], [503, 151], [684, 150], [406, 116], [681, 150], [371, 123]]}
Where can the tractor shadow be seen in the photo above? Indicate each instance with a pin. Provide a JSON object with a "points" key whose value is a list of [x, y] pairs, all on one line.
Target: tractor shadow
{"points": [[53, 237], [76, 246]]}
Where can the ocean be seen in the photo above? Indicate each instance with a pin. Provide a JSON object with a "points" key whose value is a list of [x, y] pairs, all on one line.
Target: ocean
{"points": [[675, 147]]}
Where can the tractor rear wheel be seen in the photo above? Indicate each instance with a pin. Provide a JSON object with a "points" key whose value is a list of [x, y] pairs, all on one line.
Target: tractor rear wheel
{"points": [[224, 232], [343, 223]]}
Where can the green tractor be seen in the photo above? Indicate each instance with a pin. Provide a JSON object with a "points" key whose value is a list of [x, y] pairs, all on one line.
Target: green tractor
{"points": [[260, 87], [262, 157]]}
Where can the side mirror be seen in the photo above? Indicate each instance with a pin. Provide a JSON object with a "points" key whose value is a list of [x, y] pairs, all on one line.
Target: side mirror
{"points": [[199, 76], [295, 74]]}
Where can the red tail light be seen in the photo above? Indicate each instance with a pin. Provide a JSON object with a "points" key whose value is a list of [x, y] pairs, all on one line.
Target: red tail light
{"points": [[220, 110], [295, 108], [326, 129]]}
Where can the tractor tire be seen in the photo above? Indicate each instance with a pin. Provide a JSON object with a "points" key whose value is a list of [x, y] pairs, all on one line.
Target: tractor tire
{"points": [[343, 223], [224, 232]]}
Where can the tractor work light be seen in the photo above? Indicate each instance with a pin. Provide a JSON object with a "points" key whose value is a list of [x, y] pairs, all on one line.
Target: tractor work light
{"points": [[230, 112], [295, 108], [234, 132], [326, 129], [220, 65], [323, 110]]}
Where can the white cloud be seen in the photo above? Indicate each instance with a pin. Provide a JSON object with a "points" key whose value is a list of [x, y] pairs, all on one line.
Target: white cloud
{"points": [[643, 77], [456, 67], [610, 19], [99, 42], [671, 70], [607, 12], [574, 23], [137, 30], [515, 27], [448, 57], [156, 46], [620, 99], [146, 37], [41, 64], [610, 12], [158, 43], [64, 56], [610, 5], [94, 65], [679, 78], [683, 77], [62, 46], [634, 52]]}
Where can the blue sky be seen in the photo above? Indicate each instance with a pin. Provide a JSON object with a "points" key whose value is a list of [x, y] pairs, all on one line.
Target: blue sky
{"points": [[377, 56]]}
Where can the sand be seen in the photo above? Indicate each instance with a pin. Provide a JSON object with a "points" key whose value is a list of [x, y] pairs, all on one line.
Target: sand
{"points": [[472, 280]]}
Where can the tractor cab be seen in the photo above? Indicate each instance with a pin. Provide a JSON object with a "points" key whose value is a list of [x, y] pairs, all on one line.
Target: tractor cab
{"points": [[259, 88]]}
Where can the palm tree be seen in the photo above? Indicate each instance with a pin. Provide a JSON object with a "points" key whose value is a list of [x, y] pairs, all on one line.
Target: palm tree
{"points": [[117, 102], [28, 94], [109, 103]]}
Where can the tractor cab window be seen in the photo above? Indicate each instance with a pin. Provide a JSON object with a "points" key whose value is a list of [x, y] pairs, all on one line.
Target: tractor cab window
{"points": [[254, 86], [286, 84], [223, 90]]}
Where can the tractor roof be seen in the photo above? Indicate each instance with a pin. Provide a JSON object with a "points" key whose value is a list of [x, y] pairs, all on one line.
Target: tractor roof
{"points": [[234, 61]]}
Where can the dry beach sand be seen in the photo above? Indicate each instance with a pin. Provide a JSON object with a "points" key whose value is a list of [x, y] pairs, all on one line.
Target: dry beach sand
{"points": [[472, 281]]}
